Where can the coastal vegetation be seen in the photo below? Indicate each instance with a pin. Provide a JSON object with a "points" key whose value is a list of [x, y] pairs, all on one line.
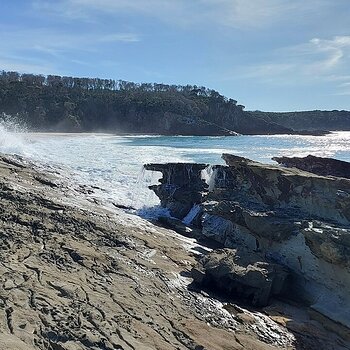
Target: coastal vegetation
{"points": [[71, 104]]}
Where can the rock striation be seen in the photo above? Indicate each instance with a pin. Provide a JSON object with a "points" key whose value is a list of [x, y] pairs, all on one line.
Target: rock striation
{"points": [[297, 219], [77, 273]]}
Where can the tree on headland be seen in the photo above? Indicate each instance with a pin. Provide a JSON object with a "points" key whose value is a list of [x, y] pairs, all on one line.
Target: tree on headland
{"points": [[66, 103]]}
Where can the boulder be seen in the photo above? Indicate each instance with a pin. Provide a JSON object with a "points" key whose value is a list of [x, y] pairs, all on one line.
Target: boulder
{"points": [[240, 274]]}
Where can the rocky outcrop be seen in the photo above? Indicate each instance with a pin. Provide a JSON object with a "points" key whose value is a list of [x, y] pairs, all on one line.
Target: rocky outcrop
{"points": [[317, 165], [78, 274], [181, 186], [295, 218], [307, 120], [240, 274], [305, 195]]}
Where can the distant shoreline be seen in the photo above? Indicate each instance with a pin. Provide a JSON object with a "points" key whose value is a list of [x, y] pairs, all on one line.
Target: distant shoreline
{"points": [[102, 133]]}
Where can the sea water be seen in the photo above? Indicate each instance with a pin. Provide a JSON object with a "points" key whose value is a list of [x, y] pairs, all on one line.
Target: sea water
{"points": [[115, 163]]}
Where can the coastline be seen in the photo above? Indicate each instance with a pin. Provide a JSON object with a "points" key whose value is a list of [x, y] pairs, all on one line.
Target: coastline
{"points": [[75, 271]]}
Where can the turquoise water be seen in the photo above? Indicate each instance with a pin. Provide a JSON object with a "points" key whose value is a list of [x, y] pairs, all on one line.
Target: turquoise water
{"points": [[115, 162], [260, 148]]}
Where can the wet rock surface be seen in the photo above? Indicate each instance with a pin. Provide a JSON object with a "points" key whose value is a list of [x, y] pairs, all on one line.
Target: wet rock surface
{"points": [[291, 217], [181, 186], [77, 274], [317, 165]]}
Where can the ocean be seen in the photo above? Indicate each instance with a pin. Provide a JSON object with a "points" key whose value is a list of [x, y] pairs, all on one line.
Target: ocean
{"points": [[115, 163]]}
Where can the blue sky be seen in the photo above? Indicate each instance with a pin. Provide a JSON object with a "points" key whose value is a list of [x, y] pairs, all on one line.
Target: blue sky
{"points": [[274, 55]]}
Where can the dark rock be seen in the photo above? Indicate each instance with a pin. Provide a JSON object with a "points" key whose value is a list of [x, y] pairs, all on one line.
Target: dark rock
{"points": [[178, 226], [181, 186], [240, 274], [294, 218], [317, 165]]}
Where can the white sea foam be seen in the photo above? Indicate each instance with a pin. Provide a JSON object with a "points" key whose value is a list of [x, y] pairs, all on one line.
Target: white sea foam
{"points": [[115, 163], [11, 141]]}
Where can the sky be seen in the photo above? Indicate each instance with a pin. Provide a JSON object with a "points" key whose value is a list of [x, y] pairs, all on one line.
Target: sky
{"points": [[271, 55]]}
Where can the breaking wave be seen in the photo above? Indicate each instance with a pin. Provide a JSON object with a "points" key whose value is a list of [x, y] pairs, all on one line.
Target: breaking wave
{"points": [[114, 163], [12, 139]]}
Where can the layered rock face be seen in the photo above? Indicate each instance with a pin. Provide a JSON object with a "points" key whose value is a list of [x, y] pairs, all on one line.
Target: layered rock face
{"points": [[75, 275], [297, 219], [181, 186]]}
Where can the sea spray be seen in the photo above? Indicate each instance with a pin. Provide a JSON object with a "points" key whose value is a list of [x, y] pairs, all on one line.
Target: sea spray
{"points": [[209, 175], [12, 139], [114, 165], [144, 200], [141, 196]]}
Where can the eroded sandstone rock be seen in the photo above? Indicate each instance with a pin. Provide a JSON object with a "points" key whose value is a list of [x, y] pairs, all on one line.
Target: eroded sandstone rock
{"points": [[295, 218], [78, 274]]}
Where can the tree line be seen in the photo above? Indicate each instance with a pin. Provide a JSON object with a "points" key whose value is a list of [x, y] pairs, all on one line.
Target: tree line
{"points": [[67, 103], [56, 81]]}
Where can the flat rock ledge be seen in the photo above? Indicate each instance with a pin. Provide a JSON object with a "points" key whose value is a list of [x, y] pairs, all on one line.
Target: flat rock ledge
{"points": [[77, 273]]}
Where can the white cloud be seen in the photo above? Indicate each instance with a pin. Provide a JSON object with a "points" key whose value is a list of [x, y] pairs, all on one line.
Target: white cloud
{"points": [[232, 13], [318, 60], [25, 67], [261, 13], [326, 54], [36, 50], [125, 37]]}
